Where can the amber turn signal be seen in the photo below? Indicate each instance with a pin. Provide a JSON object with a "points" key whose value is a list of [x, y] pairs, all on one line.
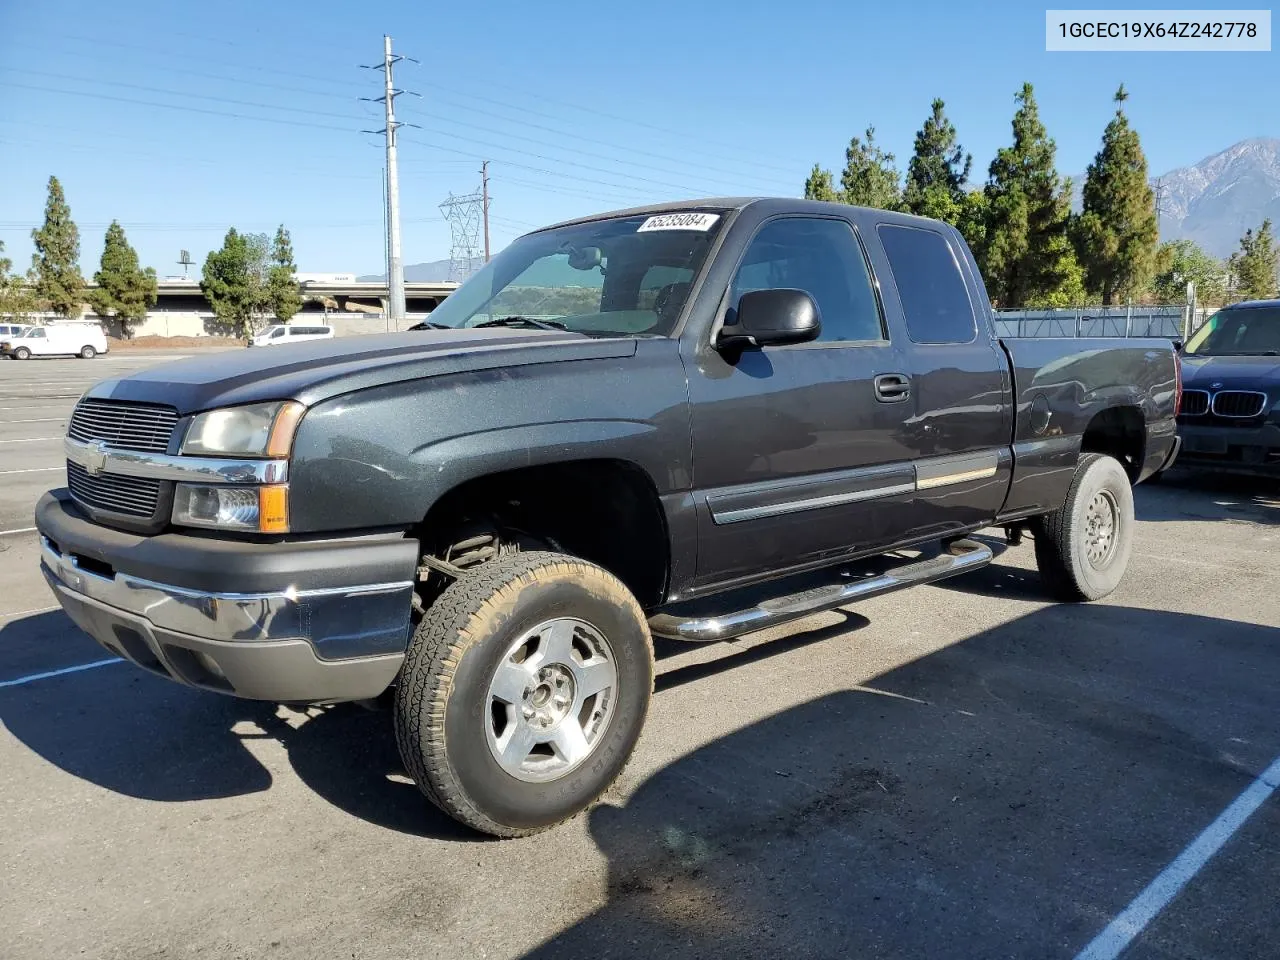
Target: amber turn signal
{"points": [[283, 428], [273, 508]]}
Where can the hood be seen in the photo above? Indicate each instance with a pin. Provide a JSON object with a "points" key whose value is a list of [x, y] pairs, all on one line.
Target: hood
{"points": [[1233, 373], [316, 370]]}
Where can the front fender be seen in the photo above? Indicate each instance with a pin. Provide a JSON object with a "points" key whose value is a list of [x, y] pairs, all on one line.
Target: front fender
{"points": [[381, 458]]}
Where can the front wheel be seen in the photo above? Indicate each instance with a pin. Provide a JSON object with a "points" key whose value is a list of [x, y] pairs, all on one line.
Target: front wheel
{"points": [[524, 692], [22, 353], [1082, 548]]}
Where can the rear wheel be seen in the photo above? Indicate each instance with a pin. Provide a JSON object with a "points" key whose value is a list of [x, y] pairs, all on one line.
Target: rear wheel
{"points": [[22, 353], [1082, 549], [87, 352], [524, 691]]}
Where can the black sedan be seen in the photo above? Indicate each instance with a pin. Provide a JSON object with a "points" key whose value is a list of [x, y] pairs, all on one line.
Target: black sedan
{"points": [[1230, 417]]}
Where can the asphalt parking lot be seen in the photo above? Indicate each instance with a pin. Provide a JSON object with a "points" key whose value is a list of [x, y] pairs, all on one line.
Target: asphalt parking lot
{"points": [[963, 770]]}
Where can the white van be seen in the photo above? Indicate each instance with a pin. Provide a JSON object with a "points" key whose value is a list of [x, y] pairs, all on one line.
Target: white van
{"points": [[279, 333], [11, 331], [84, 340]]}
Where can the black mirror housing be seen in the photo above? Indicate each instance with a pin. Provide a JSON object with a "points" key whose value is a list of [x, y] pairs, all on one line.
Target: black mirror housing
{"points": [[773, 317]]}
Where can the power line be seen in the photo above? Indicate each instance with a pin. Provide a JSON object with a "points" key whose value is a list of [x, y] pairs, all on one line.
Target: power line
{"points": [[183, 108], [648, 167], [319, 126], [626, 147], [192, 96], [686, 146]]}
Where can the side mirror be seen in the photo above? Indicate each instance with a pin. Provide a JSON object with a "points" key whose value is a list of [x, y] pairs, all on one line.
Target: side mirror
{"points": [[1177, 346], [771, 318]]}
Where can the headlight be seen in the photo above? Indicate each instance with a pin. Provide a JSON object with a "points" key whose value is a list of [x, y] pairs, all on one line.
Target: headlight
{"points": [[257, 509], [255, 430]]}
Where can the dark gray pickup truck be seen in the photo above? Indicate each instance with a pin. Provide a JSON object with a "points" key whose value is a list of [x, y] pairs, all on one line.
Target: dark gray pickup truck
{"points": [[691, 420]]}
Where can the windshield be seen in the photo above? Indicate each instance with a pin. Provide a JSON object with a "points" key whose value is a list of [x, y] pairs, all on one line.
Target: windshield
{"points": [[628, 276], [1253, 331]]}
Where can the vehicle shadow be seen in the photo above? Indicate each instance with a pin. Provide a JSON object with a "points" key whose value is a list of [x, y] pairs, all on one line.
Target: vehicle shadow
{"points": [[1185, 494], [142, 736], [1004, 796]]}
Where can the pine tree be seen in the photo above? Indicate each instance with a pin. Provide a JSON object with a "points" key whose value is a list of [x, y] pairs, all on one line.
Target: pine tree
{"points": [[282, 284], [1024, 253], [1254, 266], [1180, 262], [55, 266], [820, 185], [972, 219], [15, 299], [870, 178], [938, 170], [1116, 235], [227, 282], [124, 289]]}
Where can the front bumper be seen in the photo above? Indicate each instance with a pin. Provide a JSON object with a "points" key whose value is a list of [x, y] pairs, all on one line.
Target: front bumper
{"points": [[313, 622], [1252, 450]]}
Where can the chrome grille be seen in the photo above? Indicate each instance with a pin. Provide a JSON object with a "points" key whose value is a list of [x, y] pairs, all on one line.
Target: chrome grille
{"points": [[1195, 403], [124, 426], [1239, 403], [133, 496]]}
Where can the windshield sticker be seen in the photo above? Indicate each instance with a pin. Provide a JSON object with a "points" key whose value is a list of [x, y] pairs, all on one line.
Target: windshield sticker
{"points": [[680, 221]]}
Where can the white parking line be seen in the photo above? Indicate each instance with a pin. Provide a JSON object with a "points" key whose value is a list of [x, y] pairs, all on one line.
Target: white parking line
{"points": [[26, 613], [51, 396], [31, 440], [5, 533], [1121, 931], [30, 470], [38, 420], [32, 677]]}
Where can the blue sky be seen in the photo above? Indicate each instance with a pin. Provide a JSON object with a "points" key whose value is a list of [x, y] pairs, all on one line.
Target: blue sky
{"points": [[146, 110]]}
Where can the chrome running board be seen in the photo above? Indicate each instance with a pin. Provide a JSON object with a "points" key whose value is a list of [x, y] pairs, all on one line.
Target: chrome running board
{"points": [[962, 556]]}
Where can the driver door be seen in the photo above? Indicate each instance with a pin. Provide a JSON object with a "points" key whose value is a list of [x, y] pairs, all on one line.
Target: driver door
{"points": [[798, 457]]}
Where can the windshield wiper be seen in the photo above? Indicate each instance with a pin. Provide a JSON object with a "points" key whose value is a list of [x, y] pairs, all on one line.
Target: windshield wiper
{"points": [[522, 322], [430, 325]]}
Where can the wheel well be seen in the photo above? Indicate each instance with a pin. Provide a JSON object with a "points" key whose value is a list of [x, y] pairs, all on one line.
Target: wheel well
{"points": [[603, 511], [1118, 432]]}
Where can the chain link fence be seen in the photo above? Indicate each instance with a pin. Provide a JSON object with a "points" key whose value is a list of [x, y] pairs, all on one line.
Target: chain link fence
{"points": [[1173, 322]]}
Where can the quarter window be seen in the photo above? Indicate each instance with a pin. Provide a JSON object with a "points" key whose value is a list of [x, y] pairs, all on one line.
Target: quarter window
{"points": [[935, 300]]}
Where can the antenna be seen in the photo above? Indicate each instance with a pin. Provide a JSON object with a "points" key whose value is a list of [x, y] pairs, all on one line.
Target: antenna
{"points": [[184, 258]]}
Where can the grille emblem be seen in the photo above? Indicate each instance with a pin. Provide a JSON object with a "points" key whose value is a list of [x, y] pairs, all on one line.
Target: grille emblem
{"points": [[1217, 385], [95, 457]]}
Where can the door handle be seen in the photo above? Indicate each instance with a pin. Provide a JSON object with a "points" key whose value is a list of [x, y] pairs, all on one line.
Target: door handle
{"points": [[892, 387]]}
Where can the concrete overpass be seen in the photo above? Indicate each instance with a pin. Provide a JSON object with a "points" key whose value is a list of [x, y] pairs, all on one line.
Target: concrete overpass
{"points": [[183, 295], [350, 306]]}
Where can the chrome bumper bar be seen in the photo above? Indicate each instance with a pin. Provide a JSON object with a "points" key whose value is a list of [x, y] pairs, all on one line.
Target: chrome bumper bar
{"points": [[339, 622], [96, 457]]}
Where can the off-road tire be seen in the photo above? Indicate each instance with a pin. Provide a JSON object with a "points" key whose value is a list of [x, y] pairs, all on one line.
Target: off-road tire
{"points": [[22, 353], [1061, 536], [441, 703], [87, 352]]}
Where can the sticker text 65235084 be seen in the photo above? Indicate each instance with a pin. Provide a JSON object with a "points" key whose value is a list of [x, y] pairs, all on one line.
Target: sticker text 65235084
{"points": [[679, 221]]}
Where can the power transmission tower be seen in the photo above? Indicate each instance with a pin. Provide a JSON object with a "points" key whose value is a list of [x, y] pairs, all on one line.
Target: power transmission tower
{"points": [[484, 191], [464, 214], [395, 264]]}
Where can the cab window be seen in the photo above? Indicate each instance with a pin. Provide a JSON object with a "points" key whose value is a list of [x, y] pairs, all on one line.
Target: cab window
{"points": [[823, 258]]}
